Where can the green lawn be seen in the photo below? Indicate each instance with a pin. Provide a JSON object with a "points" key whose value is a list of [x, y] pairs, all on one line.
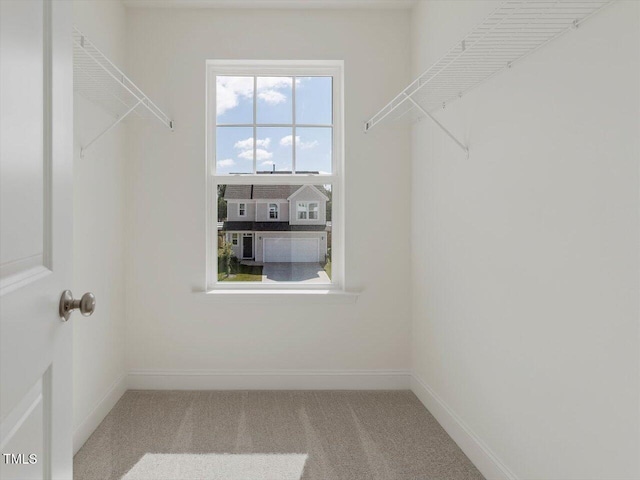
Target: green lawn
{"points": [[327, 268], [245, 274]]}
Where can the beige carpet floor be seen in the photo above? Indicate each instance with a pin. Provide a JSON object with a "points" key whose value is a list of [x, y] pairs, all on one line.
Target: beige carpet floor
{"points": [[258, 435]]}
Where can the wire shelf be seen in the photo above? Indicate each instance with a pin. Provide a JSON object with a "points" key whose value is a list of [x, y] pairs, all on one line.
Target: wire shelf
{"points": [[97, 79], [513, 31]]}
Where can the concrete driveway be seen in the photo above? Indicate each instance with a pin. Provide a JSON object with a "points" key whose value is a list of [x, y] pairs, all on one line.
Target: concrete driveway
{"points": [[294, 272]]}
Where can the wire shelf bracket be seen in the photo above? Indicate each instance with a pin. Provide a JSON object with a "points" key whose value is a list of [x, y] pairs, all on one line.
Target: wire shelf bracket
{"points": [[513, 31], [464, 148], [97, 79]]}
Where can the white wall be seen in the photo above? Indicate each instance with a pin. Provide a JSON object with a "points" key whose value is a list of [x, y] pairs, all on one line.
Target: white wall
{"points": [[173, 327], [99, 234], [526, 255]]}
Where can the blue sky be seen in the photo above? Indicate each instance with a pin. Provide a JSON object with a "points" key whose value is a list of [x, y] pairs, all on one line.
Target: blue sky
{"points": [[274, 146]]}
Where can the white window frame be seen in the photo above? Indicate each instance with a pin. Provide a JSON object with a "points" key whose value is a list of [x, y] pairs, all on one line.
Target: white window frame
{"points": [[234, 239], [304, 210], [316, 211], [240, 208], [307, 210], [276, 210], [302, 68]]}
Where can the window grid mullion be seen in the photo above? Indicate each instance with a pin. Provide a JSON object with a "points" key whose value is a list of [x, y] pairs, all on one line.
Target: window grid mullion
{"points": [[255, 121], [293, 126], [284, 179], [279, 125]]}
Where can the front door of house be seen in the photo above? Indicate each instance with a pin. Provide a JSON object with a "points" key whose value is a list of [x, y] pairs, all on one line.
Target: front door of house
{"points": [[36, 238], [247, 245]]}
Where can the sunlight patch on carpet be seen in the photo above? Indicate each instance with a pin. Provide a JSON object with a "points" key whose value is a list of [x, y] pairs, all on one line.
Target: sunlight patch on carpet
{"points": [[218, 466]]}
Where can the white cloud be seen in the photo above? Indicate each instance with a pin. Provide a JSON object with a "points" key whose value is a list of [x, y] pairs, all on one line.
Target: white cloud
{"points": [[269, 89], [270, 83], [229, 90], [261, 154], [244, 144], [246, 147], [266, 163], [288, 141], [247, 144], [227, 162], [272, 97]]}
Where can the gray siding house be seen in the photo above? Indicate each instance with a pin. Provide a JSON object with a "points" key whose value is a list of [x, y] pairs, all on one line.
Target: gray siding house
{"points": [[277, 223]]}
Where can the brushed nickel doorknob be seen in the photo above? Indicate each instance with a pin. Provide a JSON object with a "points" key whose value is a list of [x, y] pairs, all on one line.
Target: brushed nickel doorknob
{"points": [[86, 305]]}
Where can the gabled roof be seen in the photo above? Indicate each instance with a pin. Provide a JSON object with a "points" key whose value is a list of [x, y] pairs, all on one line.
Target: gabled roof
{"points": [[310, 186], [262, 192], [240, 192], [265, 192]]}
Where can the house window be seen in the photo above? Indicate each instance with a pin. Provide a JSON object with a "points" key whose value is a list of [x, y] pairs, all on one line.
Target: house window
{"points": [[308, 210], [274, 137], [303, 213], [313, 211], [273, 211], [234, 239]]}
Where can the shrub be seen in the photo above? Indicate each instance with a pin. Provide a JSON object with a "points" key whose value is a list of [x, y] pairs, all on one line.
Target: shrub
{"points": [[226, 258]]}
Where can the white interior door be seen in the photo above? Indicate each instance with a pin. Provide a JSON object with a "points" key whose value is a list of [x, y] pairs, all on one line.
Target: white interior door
{"points": [[36, 159]]}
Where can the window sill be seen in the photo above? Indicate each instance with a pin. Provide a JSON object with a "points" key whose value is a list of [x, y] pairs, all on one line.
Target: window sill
{"points": [[284, 297]]}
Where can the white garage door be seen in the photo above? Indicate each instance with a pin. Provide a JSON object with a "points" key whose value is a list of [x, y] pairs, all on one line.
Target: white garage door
{"points": [[291, 250]]}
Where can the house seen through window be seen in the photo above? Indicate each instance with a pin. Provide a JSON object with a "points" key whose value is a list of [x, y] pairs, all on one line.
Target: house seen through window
{"points": [[273, 211], [276, 174]]}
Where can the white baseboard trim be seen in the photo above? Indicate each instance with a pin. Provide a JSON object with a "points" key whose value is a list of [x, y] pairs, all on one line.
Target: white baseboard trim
{"points": [[269, 380], [478, 452], [104, 406]]}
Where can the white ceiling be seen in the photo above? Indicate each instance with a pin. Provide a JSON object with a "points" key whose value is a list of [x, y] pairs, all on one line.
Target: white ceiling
{"points": [[380, 4]]}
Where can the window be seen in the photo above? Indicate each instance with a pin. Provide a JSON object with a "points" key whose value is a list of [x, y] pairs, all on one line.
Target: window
{"points": [[234, 239], [307, 210], [302, 211], [273, 211], [274, 140], [313, 211], [269, 123]]}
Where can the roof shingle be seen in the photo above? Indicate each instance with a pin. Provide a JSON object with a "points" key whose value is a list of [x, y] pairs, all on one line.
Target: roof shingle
{"points": [[272, 227], [266, 192]]}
